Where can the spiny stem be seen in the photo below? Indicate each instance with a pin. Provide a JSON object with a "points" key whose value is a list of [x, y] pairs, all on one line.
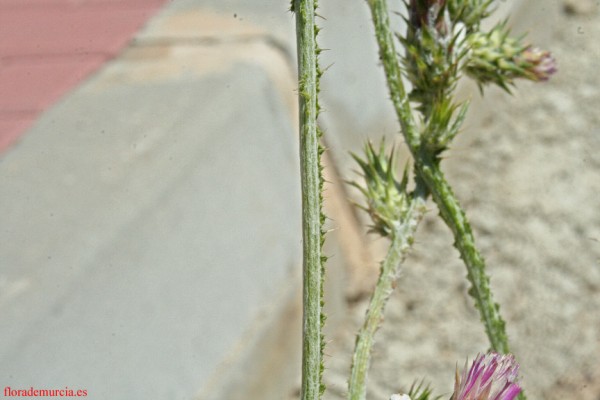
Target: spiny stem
{"points": [[402, 239], [454, 216], [312, 218]]}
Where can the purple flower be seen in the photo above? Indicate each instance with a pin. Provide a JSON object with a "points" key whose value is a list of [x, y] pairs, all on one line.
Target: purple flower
{"points": [[491, 377], [539, 63]]}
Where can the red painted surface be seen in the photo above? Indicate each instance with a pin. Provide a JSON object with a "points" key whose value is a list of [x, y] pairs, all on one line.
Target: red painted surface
{"points": [[47, 47]]}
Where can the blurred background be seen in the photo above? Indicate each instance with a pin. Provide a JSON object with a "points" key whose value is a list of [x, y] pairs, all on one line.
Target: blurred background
{"points": [[150, 242]]}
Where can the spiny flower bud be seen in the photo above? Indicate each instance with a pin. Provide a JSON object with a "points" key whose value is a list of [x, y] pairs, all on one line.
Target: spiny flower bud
{"points": [[386, 197], [495, 57], [491, 377]]}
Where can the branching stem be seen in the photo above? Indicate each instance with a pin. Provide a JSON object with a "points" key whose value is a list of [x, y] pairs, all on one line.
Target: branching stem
{"points": [[427, 166]]}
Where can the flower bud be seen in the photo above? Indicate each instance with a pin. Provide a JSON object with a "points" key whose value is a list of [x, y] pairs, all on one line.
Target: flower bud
{"points": [[495, 57]]}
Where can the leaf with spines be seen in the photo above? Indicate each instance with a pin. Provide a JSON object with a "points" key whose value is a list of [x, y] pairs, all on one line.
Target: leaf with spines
{"points": [[443, 125], [421, 391]]}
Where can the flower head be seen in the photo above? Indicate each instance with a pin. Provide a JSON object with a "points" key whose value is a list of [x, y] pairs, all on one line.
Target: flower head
{"points": [[491, 377]]}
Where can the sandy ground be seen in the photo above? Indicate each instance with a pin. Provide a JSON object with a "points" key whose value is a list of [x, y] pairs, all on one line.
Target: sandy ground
{"points": [[529, 180]]}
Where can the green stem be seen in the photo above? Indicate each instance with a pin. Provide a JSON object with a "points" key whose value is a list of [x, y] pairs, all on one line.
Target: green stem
{"points": [[311, 180], [393, 72], [402, 239]]}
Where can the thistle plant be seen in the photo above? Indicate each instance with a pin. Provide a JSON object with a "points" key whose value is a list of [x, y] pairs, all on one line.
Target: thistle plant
{"points": [[450, 30], [442, 43]]}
